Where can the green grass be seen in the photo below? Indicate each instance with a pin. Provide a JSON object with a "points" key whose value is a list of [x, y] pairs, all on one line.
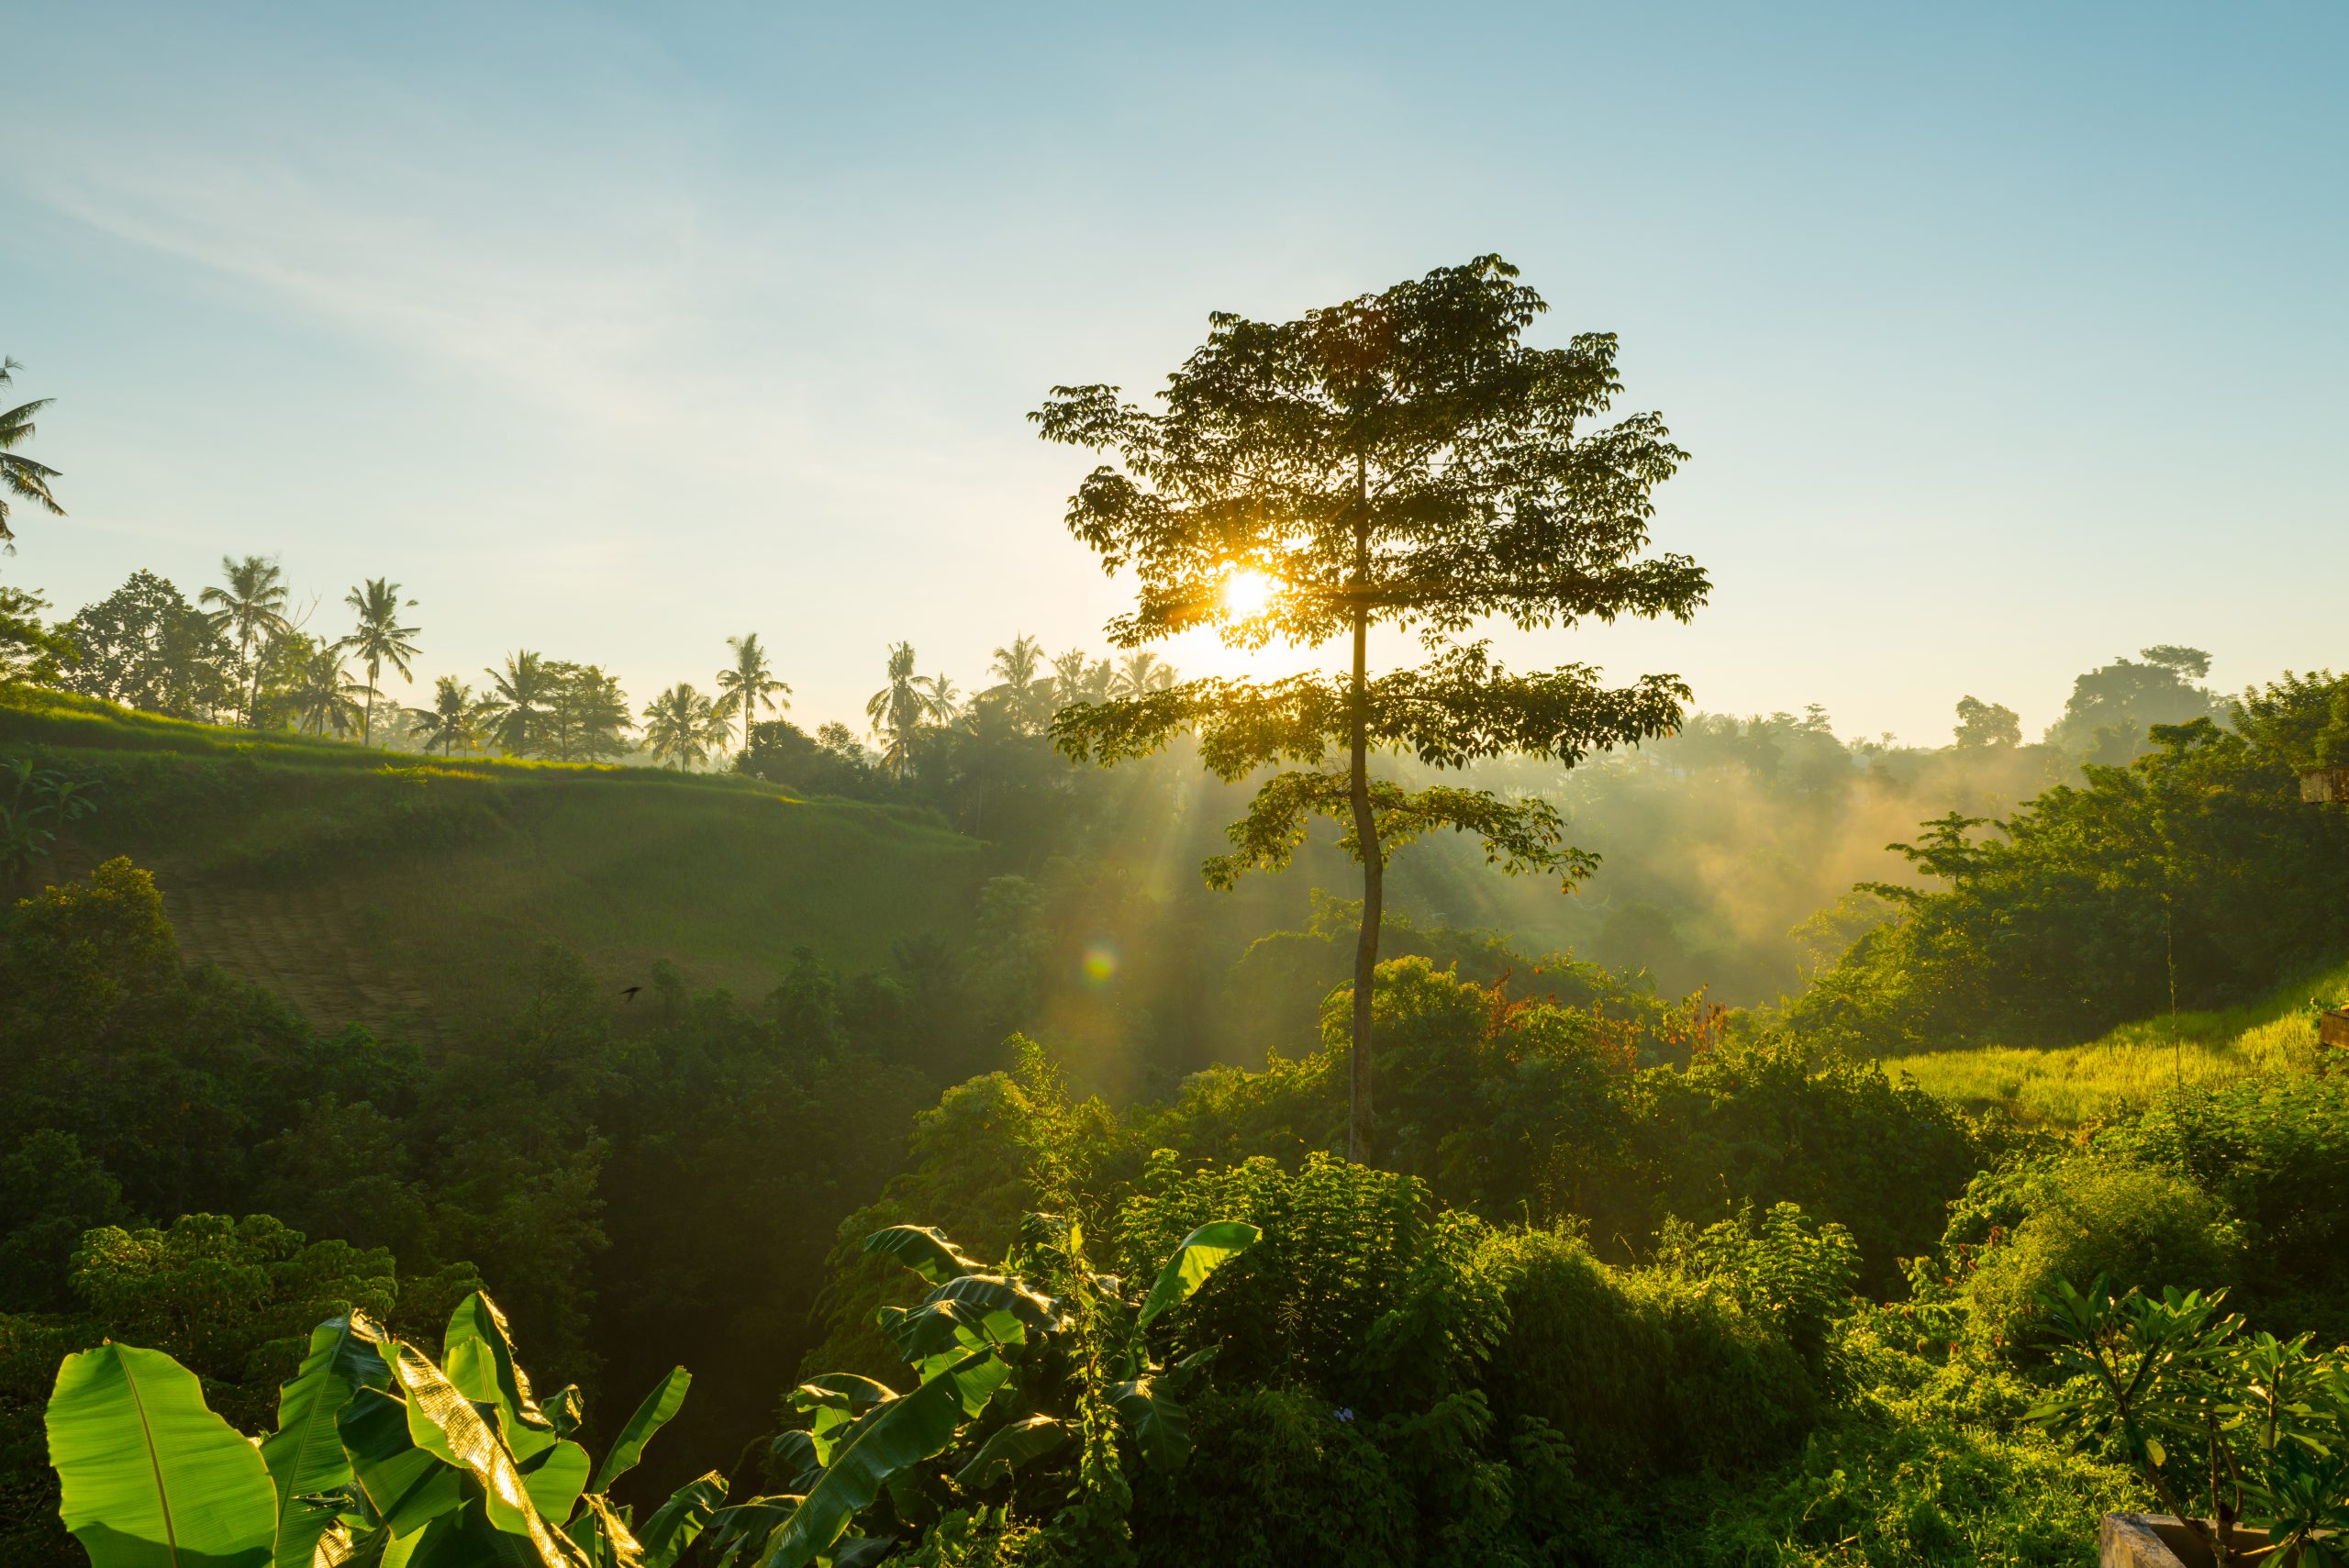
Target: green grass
{"points": [[393, 889], [2071, 1085]]}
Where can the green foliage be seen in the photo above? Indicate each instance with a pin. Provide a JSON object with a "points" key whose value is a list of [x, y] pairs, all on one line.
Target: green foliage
{"points": [[2251, 1428], [2195, 872], [378, 1450], [2083, 1220], [151, 1477], [1400, 459]]}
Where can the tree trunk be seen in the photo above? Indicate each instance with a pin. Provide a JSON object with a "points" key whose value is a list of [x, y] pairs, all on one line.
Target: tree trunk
{"points": [[1373, 868]]}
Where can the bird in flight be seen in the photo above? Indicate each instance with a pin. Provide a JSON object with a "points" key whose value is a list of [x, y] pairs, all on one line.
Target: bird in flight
{"points": [[627, 993]]}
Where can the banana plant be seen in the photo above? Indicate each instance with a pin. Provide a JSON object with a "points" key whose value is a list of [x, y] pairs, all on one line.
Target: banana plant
{"points": [[381, 1456], [998, 1354]]}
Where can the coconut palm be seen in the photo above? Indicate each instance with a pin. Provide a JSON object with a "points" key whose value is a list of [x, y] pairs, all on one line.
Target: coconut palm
{"points": [[21, 476], [1140, 673], [749, 684], [322, 695], [513, 711], [1019, 672], [940, 701], [380, 639], [895, 710], [449, 722], [681, 725], [251, 603]]}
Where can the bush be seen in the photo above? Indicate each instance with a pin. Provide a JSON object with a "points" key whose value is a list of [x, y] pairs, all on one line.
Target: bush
{"points": [[1281, 1478], [2080, 1218], [1650, 1372]]}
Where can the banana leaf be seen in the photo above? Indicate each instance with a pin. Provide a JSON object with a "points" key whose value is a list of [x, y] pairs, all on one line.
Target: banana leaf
{"points": [[903, 1432], [602, 1534], [1010, 1449], [1203, 1251], [153, 1478], [408, 1486], [748, 1523], [555, 1478], [985, 1293], [1162, 1426], [833, 1401], [651, 1415], [924, 1250], [304, 1454], [444, 1421], [477, 1357], [675, 1524]]}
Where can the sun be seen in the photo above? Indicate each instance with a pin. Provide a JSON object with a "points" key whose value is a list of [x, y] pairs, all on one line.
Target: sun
{"points": [[1246, 593]]}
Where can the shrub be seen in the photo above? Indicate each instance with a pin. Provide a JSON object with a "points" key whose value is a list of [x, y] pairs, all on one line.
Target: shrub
{"points": [[2081, 1218]]}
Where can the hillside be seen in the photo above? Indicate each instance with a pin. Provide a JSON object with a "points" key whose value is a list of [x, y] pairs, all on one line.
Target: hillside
{"points": [[360, 884], [2129, 1066]]}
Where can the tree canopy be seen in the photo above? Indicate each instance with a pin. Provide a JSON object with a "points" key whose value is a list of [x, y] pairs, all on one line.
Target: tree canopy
{"points": [[1400, 459]]}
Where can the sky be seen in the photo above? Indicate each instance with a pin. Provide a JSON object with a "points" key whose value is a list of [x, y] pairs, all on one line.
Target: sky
{"points": [[2006, 338]]}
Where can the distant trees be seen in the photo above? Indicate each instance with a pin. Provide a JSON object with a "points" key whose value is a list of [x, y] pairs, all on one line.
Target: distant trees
{"points": [[899, 709], [448, 724], [749, 684], [1983, 723], [146, 646], [681, 726], [249, 600], [2112, 710], [321, 695], [514, 708], [19, 475], [379, 640], [1401, 459]]}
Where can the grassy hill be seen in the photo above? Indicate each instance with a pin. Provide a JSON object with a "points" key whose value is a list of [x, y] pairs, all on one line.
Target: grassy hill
{"points": [[409, 893], [2069, 1085]]}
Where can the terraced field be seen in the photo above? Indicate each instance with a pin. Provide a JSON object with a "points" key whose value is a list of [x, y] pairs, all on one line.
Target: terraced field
{"points": [[421, 898]]}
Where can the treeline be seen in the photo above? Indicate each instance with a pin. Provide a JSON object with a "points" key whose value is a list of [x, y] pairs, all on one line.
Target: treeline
{"points": [[2195, 876], [242, 654]]}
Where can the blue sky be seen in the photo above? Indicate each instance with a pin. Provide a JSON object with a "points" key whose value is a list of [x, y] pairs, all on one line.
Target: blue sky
{"points": [[2005, 337]]}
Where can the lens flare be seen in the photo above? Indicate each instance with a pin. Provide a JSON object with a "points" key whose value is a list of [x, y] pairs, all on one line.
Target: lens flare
{"points": [[1246, 593], [1100, 963]]}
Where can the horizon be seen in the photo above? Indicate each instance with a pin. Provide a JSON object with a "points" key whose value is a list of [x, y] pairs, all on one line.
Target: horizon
{"points": [[771, 295]]}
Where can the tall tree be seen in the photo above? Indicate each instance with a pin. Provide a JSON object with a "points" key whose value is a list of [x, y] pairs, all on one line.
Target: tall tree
{"points": [[19, 475], [449, 722], [379, 638], [1140, 673], [587, 716], [1406, 460], [250, 601], [681, 726], [897, 710], [1018, 670], [321, 695], [748, 684], [146, 646], [514, 706]]}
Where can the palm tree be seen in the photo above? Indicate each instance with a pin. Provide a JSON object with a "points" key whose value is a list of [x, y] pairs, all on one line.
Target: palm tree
{"points": [[1140, 673], [513, 709], [380, 639], [681, 725], [449, 722], [896, 709], [21, 476], [940, 701], [749, 684], [323, 696], [251, 603], [1020, 670]]}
